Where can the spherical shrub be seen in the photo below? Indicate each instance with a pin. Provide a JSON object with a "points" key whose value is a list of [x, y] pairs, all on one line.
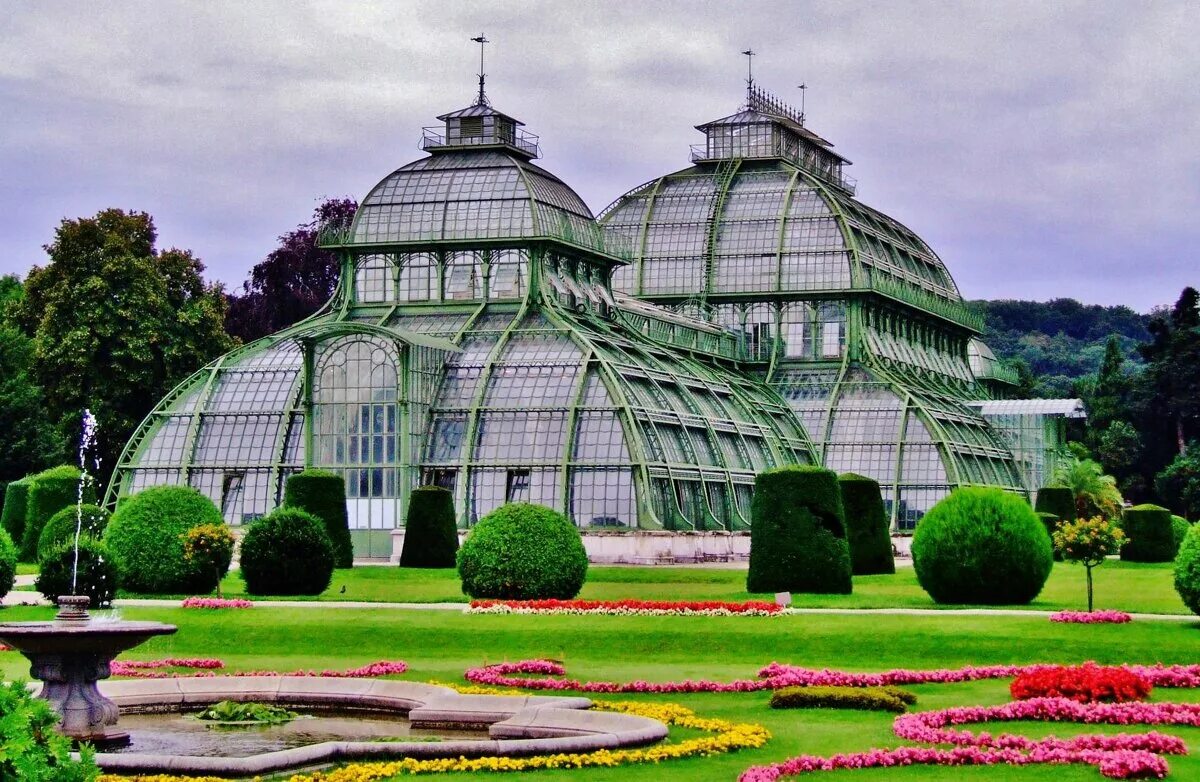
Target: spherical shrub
{"points": [[16, 497], [430, 534], [97, 578], [92, 519], [981, 545], [49, 492], [1150, 534], [867, 527], [287, 552], [323, 494], [145, 537], [798, 533], [1187, 569], [523, 552], [8, 563]]}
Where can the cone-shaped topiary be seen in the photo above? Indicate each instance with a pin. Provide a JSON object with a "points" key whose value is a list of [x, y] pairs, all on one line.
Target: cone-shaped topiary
{"points": [[867, 531], [1149, 533], [982, 545], [523, 552], [430, 534], [323, 494], [16, 498], [49, 492], [1187, 569], [145, 537], [98, 578], [1059, 500], [287, 552], [798, 533], [8, 563], [91, 520]]}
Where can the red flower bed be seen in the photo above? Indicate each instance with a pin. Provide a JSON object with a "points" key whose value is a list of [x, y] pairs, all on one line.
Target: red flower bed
{"points": [[1085, 683], [643, 607]]}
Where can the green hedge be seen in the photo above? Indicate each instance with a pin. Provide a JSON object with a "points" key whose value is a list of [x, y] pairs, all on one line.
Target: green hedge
{"points": [[8, 563], [49, 492], [1150, 534], [430, 534], [16, 499], [61, 527], [145, 537], [863, 698], [1179, 530], [797, 535], [287, 552], [1051, 523], [98, 577], [523, 552], [982, 545], [1059, 500], [323, 494], [868, 531], [1187, 569]]}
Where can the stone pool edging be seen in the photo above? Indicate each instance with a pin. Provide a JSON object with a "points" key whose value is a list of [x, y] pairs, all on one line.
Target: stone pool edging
{"points": [[518, 725]]}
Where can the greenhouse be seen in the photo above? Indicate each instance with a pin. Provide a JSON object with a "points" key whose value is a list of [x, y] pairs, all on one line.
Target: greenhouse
{"points": [[474, 342]]}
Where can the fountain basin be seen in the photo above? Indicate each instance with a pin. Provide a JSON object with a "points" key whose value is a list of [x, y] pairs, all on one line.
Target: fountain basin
{"points": [[514, 725]]}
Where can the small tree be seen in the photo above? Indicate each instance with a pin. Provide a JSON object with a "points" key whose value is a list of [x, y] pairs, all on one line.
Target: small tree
{"points": [[1087, 542], [209, 546]]}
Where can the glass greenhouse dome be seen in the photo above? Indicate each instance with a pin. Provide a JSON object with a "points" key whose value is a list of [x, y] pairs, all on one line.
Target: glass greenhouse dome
{"points": [[871, 344], [475, 342]]}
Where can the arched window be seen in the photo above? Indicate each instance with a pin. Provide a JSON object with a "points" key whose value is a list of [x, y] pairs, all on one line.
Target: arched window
{"points": [[375, 279], [418, 278], [463, 280]]}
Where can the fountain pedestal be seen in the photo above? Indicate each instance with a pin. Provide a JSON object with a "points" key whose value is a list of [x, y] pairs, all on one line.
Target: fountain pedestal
{"points": [[71, 654]]}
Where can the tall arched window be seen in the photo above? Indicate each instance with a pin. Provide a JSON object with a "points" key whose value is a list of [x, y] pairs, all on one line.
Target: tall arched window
{"points": [[418, 278], [375, 279]]}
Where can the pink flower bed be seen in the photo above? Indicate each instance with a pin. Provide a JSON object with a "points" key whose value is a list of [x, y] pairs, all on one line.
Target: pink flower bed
{"points": [[626, 607], [146, 669], [1091, 617], [215, 602]]}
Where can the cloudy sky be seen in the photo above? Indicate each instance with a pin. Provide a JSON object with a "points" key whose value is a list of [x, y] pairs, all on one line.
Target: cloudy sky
{"points": [[1043, 149]]}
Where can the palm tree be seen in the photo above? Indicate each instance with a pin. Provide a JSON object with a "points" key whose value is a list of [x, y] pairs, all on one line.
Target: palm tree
{"points": [[1096, 494]]}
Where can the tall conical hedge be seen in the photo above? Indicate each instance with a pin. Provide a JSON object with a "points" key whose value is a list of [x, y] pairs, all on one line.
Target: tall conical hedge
{"points": [[323, 494], [430, 534], [867, 528], [16, 499], [49, 492], [798, 533]]}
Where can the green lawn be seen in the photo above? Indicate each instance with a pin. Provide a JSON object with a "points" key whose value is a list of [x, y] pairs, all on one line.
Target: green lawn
{"points": [[1135, 587], [441, 644]]}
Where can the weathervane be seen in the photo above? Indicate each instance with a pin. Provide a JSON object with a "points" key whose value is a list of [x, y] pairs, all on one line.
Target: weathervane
{"points": [[749, 73], [481, 40], [803, 92]]}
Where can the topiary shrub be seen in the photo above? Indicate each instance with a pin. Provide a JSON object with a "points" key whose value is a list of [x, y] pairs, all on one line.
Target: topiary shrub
{"points": [[50, 492], [834, 697], [1187, 569], [1149, 534], [1052, 524], [797, 533], [287, 552], [523, 552], [430, 534], [61, 526], [98, 578], [1059, 500], [981, 545], [323, 494], [16, 497], [1179, 530], [145, 537], [8, 563], [867, 528]]}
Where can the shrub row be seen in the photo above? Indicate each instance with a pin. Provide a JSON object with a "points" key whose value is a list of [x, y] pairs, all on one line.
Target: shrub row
{"points": [[862, 698]]}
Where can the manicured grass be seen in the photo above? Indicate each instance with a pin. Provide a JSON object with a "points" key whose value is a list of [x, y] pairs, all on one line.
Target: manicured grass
{"points": [[441, 644], [1127, 586], [27, 568]]}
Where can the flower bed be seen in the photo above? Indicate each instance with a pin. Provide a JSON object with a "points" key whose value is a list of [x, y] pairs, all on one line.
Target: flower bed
{"points": [[1091, 617], [626, 607], [216, 602], [1084, 683], [151, 669]]}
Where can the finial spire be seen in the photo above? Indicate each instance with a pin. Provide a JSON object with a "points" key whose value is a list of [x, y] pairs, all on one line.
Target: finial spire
{"points": [[749, 72], [803, 92], [482, 99]]}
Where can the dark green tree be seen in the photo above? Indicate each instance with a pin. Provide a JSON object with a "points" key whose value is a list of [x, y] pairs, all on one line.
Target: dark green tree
{"points": [[115, 324], [29, 443], [1179, 484], [1174, 369], [1109, 399]]}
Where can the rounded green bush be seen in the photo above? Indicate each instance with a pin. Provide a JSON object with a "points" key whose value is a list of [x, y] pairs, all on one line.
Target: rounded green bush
{"points": [[523, 552], [323, 494], [798, 533], [16, 498], [49, 492], [145, 537], [984, 546], [867, 527], [8, 563], [1179, 530], [1150, 534], [97, 578], [430, 534], [287, 552], [61, 526], [1187, 569]]}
